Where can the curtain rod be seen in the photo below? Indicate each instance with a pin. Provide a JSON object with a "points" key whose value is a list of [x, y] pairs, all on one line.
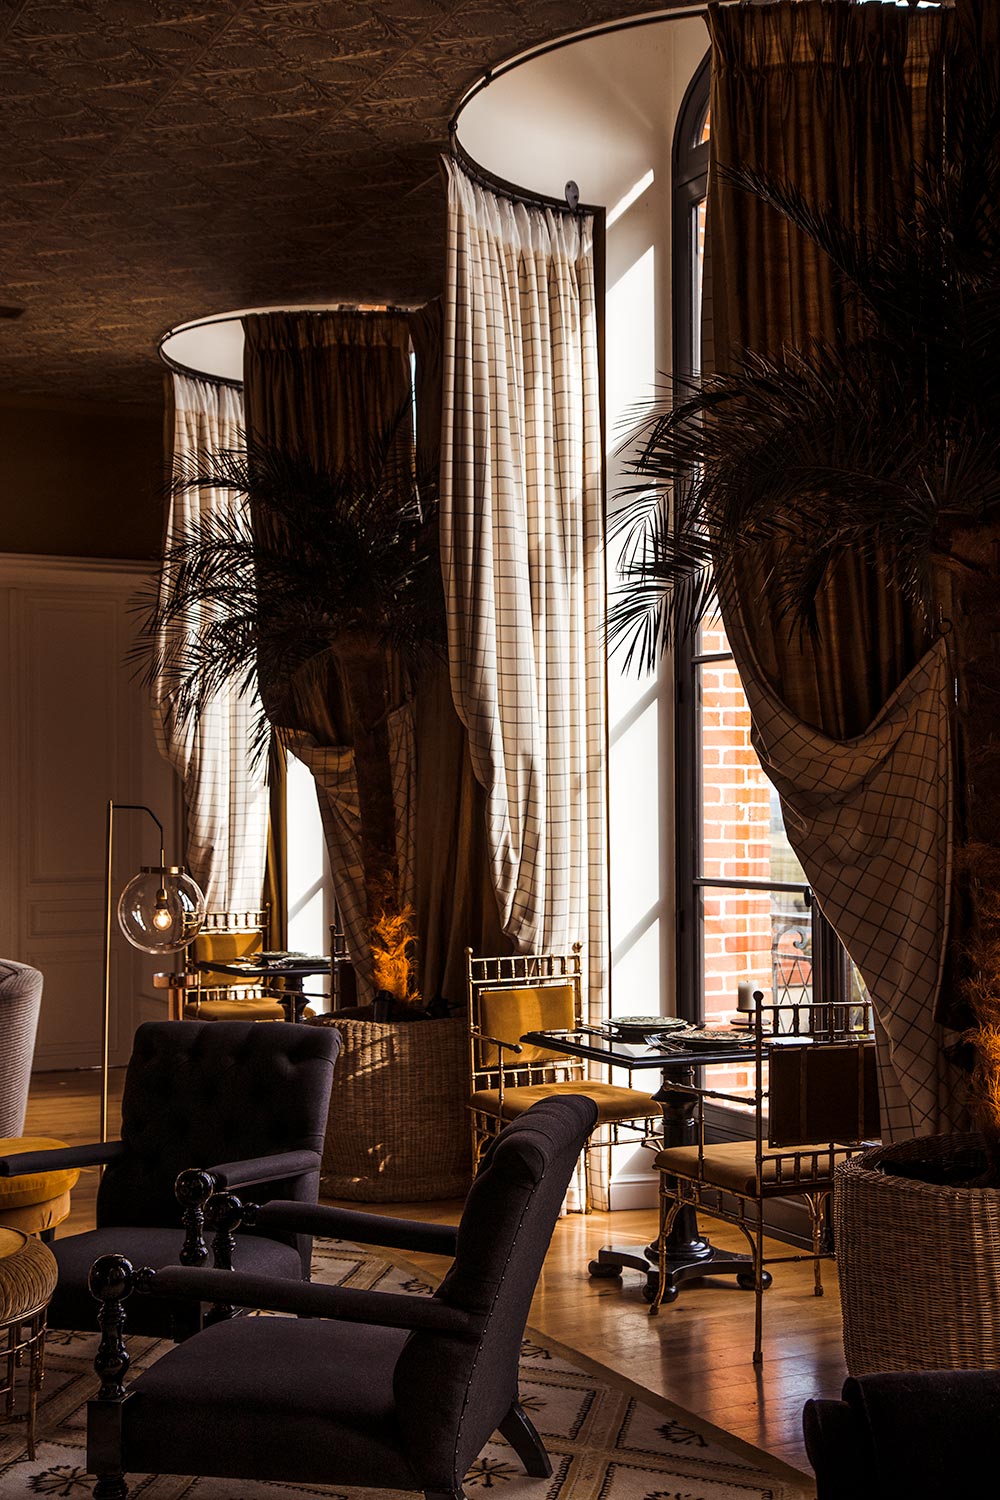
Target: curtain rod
{"points": [[503, 189], [605, 28], [237, 385]]}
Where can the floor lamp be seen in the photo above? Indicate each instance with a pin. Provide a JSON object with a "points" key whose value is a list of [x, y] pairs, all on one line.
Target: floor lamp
{"points": [[160, 910]]}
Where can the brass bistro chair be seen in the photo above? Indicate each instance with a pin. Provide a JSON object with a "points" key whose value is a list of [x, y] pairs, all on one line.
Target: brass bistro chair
{"points": [[524, 992], [814, 1103], [227, 937]]}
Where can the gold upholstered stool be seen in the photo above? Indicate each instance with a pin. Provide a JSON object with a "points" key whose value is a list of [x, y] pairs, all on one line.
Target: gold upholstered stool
{"points": [[27, 1281], [39, 1201]]}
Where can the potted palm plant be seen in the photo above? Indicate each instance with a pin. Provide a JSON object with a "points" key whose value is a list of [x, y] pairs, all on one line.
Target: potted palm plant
{"points": [[323, 588], [886, 451]]}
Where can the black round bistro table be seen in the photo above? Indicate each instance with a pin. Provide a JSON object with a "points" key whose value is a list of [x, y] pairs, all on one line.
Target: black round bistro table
{"points": [[689, 1253]]}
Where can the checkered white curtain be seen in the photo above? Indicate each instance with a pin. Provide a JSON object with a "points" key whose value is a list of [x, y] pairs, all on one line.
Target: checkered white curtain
{"points": [[870, 820], [225, 796], [522, 556]]}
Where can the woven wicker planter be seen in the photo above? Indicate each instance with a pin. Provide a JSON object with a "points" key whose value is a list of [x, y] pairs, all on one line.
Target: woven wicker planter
{"points": [[399, 1129], [918, 1262]]}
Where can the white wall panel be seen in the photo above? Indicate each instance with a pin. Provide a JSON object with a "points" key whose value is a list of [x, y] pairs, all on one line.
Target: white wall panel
{"points": [[76, 731]]}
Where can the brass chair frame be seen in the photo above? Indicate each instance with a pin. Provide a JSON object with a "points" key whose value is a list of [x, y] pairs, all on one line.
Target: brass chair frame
{"points": [[535, 971], [814, 1102], [225, 923]]}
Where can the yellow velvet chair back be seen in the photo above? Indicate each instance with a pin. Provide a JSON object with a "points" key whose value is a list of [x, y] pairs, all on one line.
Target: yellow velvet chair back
{"points": [[507, 1014]]}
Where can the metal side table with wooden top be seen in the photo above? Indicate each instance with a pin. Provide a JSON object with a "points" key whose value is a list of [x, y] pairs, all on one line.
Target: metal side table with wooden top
{"points": [[27, 1281]]}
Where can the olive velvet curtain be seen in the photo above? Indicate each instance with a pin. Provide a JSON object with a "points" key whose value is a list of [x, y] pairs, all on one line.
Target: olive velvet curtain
{"points": [[330, 385], [844, 103], [839, 101]]}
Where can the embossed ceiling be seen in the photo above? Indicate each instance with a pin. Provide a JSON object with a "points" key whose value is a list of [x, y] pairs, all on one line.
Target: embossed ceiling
{"points": [[161, 161]]}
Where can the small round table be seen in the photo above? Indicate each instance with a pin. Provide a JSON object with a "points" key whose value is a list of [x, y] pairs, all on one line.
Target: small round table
{"points": [[38, 1201], [27, 1281]]}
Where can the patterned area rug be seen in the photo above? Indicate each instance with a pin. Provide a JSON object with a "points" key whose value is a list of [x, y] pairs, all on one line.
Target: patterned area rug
{"points": [[606, 1441]]}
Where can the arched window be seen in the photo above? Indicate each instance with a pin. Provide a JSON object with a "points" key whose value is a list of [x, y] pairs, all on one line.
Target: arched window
{"points": [[744, 908]]}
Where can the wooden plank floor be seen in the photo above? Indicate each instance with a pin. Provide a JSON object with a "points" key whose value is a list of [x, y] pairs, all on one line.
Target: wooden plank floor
{"points": [[696, 1352]]}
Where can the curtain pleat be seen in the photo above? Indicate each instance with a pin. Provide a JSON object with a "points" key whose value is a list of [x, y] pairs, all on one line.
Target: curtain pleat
{"points": [[523, 562], [839, 101], [226, 797], [330, 386], [456, 907], [327, 385], [843, 102]]}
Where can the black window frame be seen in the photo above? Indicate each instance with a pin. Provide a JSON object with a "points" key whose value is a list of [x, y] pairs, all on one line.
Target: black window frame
{"points": [[831, 971]]}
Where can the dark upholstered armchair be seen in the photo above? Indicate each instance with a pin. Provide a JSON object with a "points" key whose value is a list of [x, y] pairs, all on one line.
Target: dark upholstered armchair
{"points": [[907, 1436], [368, 1388], [244, 1101], [20, 1003]]}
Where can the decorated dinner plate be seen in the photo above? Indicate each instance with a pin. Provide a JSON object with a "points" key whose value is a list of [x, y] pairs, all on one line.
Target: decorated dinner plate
{"points": [[712, 1038], [638, 1027]]}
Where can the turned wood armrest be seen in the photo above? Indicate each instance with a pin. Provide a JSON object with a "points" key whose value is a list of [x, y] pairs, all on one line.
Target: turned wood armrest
{"points": [[350, 1224], [22, 1163]]}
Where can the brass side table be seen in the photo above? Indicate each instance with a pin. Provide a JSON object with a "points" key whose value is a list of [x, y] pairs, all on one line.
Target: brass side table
{"points": [[27, 1281]]}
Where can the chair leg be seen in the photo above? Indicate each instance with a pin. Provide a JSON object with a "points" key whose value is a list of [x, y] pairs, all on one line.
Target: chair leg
{"points": [[817, 1206], [670, 1207], [758, 1288], [519, 1431], [111, 1487]]}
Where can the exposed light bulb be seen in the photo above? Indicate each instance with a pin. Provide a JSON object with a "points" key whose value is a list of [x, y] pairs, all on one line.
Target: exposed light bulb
{"points": [[162, 917]]}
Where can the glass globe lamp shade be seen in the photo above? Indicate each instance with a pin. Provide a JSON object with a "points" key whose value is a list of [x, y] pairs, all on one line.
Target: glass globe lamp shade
{"points": [[161, 909]]}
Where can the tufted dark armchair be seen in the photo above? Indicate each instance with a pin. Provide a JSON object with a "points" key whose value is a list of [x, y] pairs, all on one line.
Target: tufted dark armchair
{"points": [[246, 1102], [371, 1388], [20, 1002]]}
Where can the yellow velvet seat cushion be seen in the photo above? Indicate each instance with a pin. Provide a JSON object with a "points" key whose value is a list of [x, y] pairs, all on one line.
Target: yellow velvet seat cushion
{"points": [[36, 1218], [254, 1008], [35, 1187], [732, 1167], [613, 1103]]}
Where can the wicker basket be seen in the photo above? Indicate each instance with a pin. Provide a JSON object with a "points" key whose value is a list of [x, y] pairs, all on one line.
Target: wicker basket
{"points": [[918, 1262], [399, 1128]]}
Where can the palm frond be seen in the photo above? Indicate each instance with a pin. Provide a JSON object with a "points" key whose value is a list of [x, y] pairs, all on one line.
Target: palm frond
{"points": [[297, 560]]}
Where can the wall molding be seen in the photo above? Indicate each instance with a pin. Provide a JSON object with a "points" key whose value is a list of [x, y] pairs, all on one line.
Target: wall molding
{"points": [[34, 569]]}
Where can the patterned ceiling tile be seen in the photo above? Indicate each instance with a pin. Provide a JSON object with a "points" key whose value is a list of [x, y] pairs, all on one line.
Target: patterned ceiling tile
{"points": [[163, 160]]}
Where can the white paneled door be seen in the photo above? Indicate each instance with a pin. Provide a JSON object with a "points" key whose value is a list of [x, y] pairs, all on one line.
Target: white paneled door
{"points": [[75, 731]]}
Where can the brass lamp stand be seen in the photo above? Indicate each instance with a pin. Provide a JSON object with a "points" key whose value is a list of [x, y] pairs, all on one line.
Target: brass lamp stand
{"points": [[160, 910]]}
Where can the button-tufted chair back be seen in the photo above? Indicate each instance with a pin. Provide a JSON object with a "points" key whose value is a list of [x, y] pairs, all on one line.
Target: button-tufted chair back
{"points": [[200, 1092]]}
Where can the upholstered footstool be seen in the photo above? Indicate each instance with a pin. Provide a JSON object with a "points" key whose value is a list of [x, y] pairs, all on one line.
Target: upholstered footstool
{"points": [[39, 1201], [27, 1281]]}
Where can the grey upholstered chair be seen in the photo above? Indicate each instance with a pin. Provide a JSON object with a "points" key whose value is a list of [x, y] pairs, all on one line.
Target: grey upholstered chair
{"points": [[20, 1003], [904, 1435], [245, 1101], [369, 1388]]}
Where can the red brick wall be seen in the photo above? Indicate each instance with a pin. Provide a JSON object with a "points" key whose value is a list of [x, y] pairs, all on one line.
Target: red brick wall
{"points": [[736, 800]]}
